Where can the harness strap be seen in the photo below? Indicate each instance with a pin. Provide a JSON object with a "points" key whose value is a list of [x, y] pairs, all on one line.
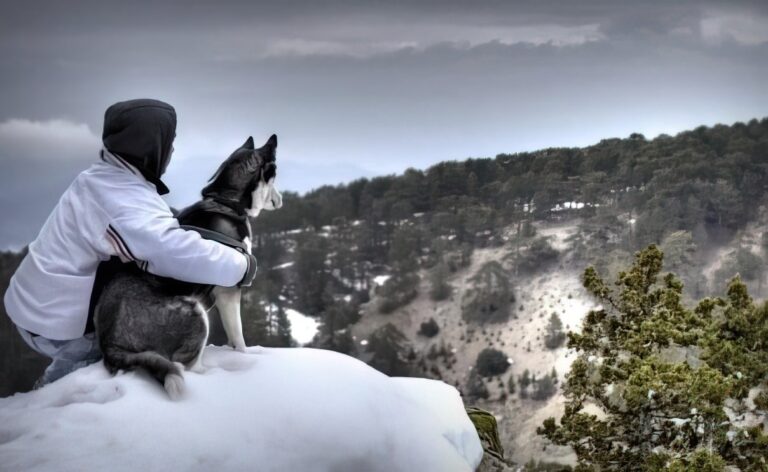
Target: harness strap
{"points": [[216, 236]]}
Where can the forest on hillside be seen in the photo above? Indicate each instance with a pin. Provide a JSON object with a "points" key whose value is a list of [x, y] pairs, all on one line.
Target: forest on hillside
{"points": [[688, 193], [333, 252]]}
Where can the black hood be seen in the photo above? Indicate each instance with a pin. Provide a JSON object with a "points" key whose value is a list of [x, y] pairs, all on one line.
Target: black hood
{"points": [[141, 132]]}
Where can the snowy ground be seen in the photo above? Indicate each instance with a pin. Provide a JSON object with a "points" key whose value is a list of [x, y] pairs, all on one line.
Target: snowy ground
{"points": [[267, 410]]}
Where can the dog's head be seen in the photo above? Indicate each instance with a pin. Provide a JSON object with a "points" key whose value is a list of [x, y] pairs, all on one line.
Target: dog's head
{"points": [[248, 177]]}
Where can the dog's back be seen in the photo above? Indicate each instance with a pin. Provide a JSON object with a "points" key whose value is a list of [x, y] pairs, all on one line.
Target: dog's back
{"points": [[141, 323]]}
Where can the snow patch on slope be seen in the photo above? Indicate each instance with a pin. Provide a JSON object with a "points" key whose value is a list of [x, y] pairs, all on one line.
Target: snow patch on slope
{"points": [[303, 327]]}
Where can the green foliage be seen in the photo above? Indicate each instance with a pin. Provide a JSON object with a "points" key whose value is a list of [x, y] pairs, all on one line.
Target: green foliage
{"points": [[554, 337], [440, 288], [429, 328], [311, 272], [391, 353], [491, 296], [736, 342], [742, 262], [540, 466], [680, 252], [524, 381], [488, 431], [537, 257], [704, 181], [399, 290], [544, 388], [335, 319], [264, 326], [511, 384], [405, 248], [491, 362], [658, 415], [476, 388], [527, 230]]}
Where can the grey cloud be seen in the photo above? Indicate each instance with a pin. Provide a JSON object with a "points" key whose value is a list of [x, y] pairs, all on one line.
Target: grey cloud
{"points": [[39, 160]]}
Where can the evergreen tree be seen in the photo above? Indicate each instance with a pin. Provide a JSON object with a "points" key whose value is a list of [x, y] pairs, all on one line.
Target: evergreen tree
{"points": [[680, 252], [524, 381], [554, 336], [659, 415], [491, 296], [280, 328], [390, 351], [311, 272], [440, 288], [544, 388], [511, 383], [476, 387], [741, 261], [537, 257]]}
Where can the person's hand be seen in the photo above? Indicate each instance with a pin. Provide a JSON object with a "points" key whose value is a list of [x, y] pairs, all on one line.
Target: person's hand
{"points": [[250, 272]]}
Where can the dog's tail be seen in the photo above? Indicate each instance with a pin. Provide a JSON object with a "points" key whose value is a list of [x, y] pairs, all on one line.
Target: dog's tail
{"points": [[166, 372]]}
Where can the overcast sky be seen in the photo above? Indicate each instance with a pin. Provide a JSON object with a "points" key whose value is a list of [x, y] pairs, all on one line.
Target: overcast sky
{"points": [[355, 88]]}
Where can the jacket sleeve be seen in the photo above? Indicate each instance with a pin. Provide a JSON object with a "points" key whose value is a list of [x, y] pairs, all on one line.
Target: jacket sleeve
{"points": [[151, 236]]}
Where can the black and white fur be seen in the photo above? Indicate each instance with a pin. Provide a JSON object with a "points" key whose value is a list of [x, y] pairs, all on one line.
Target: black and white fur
{"points": [[160, 324]]}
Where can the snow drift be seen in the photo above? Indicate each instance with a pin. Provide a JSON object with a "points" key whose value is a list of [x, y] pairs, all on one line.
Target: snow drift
{"points": [[270, 409]]}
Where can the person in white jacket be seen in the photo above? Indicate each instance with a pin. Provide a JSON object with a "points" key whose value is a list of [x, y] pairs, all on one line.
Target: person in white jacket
{"points": [[113, 208]]}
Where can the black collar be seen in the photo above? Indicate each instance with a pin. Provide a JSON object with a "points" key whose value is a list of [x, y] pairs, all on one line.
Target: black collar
{"points": [[233, 205]]}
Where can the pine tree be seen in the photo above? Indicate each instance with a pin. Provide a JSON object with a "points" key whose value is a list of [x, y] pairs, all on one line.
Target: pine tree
{"points": [[659, 415], [491, 296], [440, 288], [554, 336], [390, 351], [524, 381]]}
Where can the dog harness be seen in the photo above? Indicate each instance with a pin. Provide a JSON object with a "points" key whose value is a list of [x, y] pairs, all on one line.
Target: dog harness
{"points": [[219, 220]]}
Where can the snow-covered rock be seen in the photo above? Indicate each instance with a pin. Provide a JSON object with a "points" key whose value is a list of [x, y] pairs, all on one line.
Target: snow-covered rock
{"points": [[267, 409]]}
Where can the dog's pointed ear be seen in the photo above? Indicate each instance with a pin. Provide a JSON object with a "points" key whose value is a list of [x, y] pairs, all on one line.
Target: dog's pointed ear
{"points": [[269, 148], [248, 143]]}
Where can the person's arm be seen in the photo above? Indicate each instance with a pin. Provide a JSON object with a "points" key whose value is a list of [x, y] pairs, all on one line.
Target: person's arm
{"points": [[151, 237]]}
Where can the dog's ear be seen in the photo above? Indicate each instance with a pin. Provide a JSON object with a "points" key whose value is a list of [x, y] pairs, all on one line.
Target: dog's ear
{"points": [[248, 143], [268, 149]]}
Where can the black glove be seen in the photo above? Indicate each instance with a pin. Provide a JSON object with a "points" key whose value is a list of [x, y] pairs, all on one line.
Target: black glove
{"points": [[250, 271]]}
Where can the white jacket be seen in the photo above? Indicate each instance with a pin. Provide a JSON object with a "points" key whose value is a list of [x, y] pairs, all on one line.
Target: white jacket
{"points": [[109, 210]]}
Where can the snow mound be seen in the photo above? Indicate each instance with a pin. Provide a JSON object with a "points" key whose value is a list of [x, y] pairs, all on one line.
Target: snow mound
{"points": [[269, 409]]}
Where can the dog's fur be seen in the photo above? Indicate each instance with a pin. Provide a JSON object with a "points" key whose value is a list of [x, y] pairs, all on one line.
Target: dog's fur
{"points": [[160, 324]]}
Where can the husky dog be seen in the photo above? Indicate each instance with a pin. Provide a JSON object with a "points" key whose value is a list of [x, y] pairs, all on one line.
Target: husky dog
{"points": [[160, 324]]}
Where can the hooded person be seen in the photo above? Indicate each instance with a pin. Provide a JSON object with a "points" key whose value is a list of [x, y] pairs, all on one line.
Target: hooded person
{"points": [[141, 132], [112, 209]]}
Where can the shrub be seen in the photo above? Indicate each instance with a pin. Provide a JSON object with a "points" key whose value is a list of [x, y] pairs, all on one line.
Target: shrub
{"points": [[429, 328], [491, 362]]}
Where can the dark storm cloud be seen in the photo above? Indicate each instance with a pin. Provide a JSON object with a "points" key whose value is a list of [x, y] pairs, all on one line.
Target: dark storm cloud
{"points": [[362, 88]]}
